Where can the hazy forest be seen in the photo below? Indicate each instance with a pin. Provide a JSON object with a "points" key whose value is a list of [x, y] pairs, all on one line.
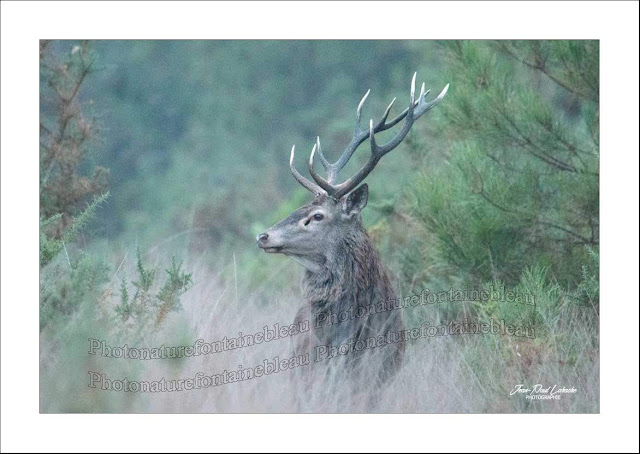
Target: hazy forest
{"points": [[160, 162]]}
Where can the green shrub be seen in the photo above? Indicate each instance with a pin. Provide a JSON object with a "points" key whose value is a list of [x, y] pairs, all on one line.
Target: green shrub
{"points": [[147, 307]]}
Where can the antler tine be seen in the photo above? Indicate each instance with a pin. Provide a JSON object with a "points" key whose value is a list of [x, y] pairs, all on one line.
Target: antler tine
{"points": [[324, 184], [416, 109], [380, 151], [302, 180], [359, 136], [323, 160], [412, 113], [373, 137], [377, 151], [359, 112], [420, 107], [386, 112]]}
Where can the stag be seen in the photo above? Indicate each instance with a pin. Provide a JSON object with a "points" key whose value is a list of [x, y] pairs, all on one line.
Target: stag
{"points": [[343, 270]]}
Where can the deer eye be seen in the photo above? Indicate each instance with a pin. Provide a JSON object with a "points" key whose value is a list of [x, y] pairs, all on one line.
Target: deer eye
{"points": [[318, 217]]}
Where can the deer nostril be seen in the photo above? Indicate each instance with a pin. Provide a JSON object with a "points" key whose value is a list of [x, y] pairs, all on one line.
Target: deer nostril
{"points": [[263, 237]]}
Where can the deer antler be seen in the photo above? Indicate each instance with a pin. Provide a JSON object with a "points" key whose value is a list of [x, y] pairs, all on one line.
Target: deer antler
{"points": [[415, 110], [302, 180]]}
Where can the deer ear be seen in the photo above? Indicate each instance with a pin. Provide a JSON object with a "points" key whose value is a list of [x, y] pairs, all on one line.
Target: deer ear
{"points": [[355, 201]]}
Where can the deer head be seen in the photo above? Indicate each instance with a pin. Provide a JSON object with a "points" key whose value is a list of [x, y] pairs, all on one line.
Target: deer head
{"points": [[313, 233]]}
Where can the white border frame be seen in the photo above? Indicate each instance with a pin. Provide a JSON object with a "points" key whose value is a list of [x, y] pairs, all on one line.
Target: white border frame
{"points": [[614, 23]]}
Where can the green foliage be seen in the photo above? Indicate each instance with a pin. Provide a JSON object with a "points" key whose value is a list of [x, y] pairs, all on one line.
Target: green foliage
{"points": [[518, 187], [50, 246], [146, 306], [67, 286], [588, 290], [68, 283], [124, 309], [177, 283], [147, 276]]}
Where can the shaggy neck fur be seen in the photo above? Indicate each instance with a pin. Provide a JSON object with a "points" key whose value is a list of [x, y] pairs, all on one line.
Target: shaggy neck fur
{"points": [[352, 276]]}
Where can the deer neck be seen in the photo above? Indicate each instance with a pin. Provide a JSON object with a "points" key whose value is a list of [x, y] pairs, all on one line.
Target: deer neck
{"points": [[351, 275]]}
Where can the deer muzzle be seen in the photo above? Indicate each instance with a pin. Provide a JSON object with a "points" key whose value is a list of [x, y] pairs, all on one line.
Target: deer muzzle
{"points": [[265, 244]]}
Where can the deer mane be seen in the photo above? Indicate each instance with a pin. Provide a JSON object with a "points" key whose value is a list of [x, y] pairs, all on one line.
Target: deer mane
{"points": [[356, 277]]}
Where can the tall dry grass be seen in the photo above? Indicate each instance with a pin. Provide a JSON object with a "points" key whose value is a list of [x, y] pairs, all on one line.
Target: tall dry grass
{"points": [[448, 374]]}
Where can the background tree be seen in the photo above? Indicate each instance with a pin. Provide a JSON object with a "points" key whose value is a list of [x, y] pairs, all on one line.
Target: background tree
{"points": [[518, 183], [66, 134]]}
